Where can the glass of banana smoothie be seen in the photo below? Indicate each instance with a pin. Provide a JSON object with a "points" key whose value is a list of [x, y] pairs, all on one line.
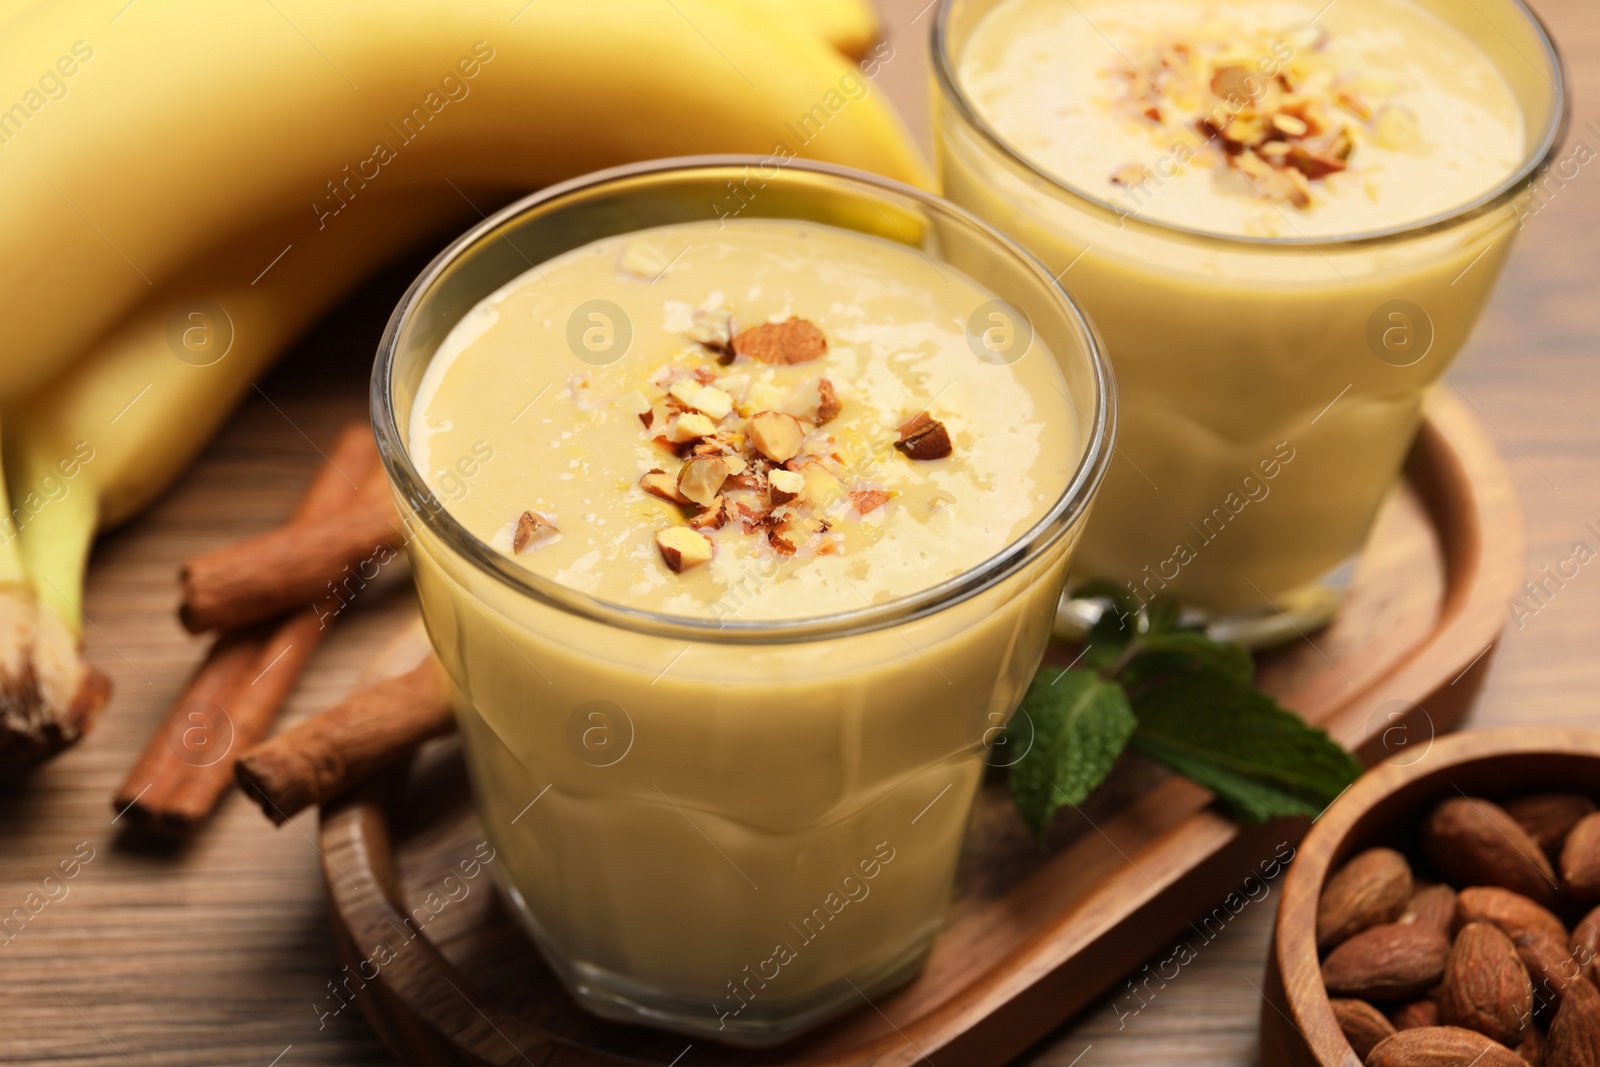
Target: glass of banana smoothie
{"points": [[741, 497], [1284, 217]]}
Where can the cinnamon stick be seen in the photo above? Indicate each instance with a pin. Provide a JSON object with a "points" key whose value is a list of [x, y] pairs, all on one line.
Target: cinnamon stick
{"points": [[234, 695], [291, 567], [330, 753]]}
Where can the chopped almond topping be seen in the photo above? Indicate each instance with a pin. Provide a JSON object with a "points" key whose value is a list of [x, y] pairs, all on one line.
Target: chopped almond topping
{"points": [[701, 479], [1275, 122], [690, 427], [708, 399], [659, 483], [529, 526], [1315, 164], [776, 435], [785, 485], [816, 402], [924, 437], [783, 541], [682, 548], [868, 500], [1274, 183], [753, 451], [828, 406], [1231, 82], [1245, 130], [782, 343], [752, 519], [713, 517], [1348, 98], [795, 529], [640, 405], [715, 337], [1289, 126]]}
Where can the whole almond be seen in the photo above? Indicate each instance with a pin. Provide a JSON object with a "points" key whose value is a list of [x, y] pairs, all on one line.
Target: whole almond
{"points": [[1363, 1025], [1388, 962], [1585, 945], [1373, 887], [1511, 912], [1486, 987], [1550, 966], [1532, 1047], [1432, 907], [1580, 859], [1417, 1013], [1442, 1046], [1549, 816], [1574, 1038], [1474, 842]]}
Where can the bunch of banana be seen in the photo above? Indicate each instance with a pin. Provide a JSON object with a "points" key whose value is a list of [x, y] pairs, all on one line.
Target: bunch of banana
{"points": [[233, 170]]}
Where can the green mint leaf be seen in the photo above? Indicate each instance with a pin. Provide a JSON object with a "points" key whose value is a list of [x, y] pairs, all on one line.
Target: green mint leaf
{"points": [[1260, 760], [1171, 650], [1081, 724]]}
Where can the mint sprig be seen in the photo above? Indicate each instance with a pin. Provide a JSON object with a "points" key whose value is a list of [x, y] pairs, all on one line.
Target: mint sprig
{"points": [[1180, 698], [1081, 724]]}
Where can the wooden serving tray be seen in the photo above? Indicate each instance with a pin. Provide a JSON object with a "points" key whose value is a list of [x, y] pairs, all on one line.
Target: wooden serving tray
{"points": [[1032, 936]]}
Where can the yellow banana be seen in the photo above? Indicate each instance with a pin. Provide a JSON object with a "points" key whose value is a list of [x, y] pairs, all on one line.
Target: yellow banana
{"points": [[180, 121], [104, 440], [579, 85], [851, 26]]}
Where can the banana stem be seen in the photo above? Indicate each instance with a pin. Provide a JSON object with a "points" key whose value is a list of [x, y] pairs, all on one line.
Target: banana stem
{"points": [[55, 542], [12, 571], [48, 695]]}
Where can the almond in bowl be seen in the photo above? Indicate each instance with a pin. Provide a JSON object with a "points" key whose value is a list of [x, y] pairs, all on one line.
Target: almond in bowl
{"points": [[1425, 923]]}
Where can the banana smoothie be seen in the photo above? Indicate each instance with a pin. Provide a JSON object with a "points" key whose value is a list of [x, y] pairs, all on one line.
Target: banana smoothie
{"points": [[719, 426], [1270, 208]]}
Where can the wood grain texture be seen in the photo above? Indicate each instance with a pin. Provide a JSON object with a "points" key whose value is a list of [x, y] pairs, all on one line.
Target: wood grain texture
{"points": [[220, 954]]}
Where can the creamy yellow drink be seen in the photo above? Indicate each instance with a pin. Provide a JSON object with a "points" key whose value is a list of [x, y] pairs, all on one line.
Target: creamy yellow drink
{"points": [[694, 430], [786, 473], [1248, 197], [1245, 117]]}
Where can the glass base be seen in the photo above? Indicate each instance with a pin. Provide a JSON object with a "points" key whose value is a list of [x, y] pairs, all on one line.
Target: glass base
{"points": [[1293, 616], [759, 1024]]}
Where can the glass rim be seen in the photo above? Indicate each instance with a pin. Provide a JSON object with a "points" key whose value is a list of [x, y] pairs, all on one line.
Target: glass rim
{"points": [[1069, 507], [1536, 160]]}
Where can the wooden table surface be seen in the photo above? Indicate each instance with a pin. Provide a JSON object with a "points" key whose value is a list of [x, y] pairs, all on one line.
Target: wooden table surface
{"points": [[217, 953]]}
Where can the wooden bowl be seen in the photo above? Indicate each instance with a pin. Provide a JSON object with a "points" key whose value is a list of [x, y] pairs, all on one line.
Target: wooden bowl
{"points": [[1384, 808]]}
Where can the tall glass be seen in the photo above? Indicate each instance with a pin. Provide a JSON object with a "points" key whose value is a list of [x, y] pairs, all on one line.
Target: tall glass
{"points": [[725, 827], [1269, 387]]}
